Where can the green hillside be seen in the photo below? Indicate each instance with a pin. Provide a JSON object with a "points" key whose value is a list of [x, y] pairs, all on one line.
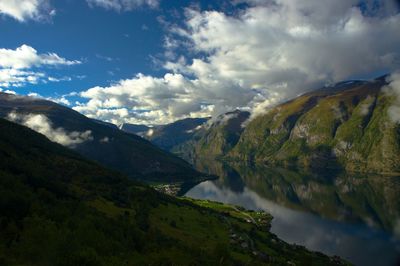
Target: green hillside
{"points": [[127, 153], [57, 208], [345, 128]]}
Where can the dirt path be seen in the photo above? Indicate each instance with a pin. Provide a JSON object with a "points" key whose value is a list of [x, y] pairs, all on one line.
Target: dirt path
{"points": [[245, 214]]}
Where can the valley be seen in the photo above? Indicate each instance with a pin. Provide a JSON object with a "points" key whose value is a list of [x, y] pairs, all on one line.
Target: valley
{"points": [[58, 208]]}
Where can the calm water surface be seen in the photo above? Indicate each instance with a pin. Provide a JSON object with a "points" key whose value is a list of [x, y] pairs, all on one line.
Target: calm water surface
{"points": [[356, 218]]}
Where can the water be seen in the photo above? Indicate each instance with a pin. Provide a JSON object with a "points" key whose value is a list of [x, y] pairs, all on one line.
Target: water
{"points": [[356, 218]]}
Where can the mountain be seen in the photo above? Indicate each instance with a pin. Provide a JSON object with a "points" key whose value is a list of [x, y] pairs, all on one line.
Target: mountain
{"points": [[105, 123], [57, 208], [214, 139], [168, 137], [171, 135], [101, 142], [140, 130], [344, 126]]}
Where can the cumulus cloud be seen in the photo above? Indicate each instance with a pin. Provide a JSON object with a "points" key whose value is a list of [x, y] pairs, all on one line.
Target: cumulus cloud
{"points": [[393, 88], [23, 10], [60, 100], [43, 125], [221, 120], [123, 5], [160, 100], [8, 91], [26, 56], [17, 78], [16, 66], [267, 52]]}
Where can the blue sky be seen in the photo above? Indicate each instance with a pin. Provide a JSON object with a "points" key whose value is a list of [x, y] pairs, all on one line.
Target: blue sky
{"points": [[195, 59], [111, 45]]}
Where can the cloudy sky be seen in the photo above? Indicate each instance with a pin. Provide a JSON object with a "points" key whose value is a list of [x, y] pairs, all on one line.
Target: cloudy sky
{"points": [[155, 61]]}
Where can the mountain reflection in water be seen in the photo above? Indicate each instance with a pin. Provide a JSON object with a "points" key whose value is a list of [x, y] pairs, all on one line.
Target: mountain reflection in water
{"points": [[354, 217]]}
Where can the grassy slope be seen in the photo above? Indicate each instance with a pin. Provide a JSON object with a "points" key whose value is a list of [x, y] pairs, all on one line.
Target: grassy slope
{"points": [[57, 208], [125, 152], [348, 128]]}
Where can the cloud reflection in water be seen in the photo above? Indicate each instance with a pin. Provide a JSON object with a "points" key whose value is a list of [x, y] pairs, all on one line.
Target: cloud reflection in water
{"points": [[360, 244]]}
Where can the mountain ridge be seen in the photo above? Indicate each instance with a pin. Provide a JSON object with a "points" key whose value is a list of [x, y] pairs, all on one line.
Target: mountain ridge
{"points": [[127, 153]]}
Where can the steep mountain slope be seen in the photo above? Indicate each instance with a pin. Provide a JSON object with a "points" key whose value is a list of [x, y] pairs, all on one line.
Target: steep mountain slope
{"points": [[105, 123], [171, 135], [124, 152], [223, 134], [140, 130], [347, 126], [57, 208], [215, 138], [344, 126]]}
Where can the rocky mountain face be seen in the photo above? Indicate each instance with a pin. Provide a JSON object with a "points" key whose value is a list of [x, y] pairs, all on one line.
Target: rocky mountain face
{"points": [[127, 153], [345, 126], [215, 138]]}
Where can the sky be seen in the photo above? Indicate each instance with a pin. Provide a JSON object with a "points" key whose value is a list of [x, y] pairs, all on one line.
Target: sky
{"points": [[157, 61]]}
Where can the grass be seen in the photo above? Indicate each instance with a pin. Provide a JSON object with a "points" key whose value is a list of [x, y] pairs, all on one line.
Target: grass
{"points": [[258, 218], [246, 241]]}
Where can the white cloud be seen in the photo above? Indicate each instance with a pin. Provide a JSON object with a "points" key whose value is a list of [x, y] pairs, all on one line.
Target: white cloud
{"points": [[26, 57], [23, 10], [123, 5], [393, 88], [8, 91], [287, 46], [43, 125], [150, 132], [17, 78], [146, 99], [60, 100], [263, 54], [53, 79], [222, 119], [365, 107], [16, 66]]}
